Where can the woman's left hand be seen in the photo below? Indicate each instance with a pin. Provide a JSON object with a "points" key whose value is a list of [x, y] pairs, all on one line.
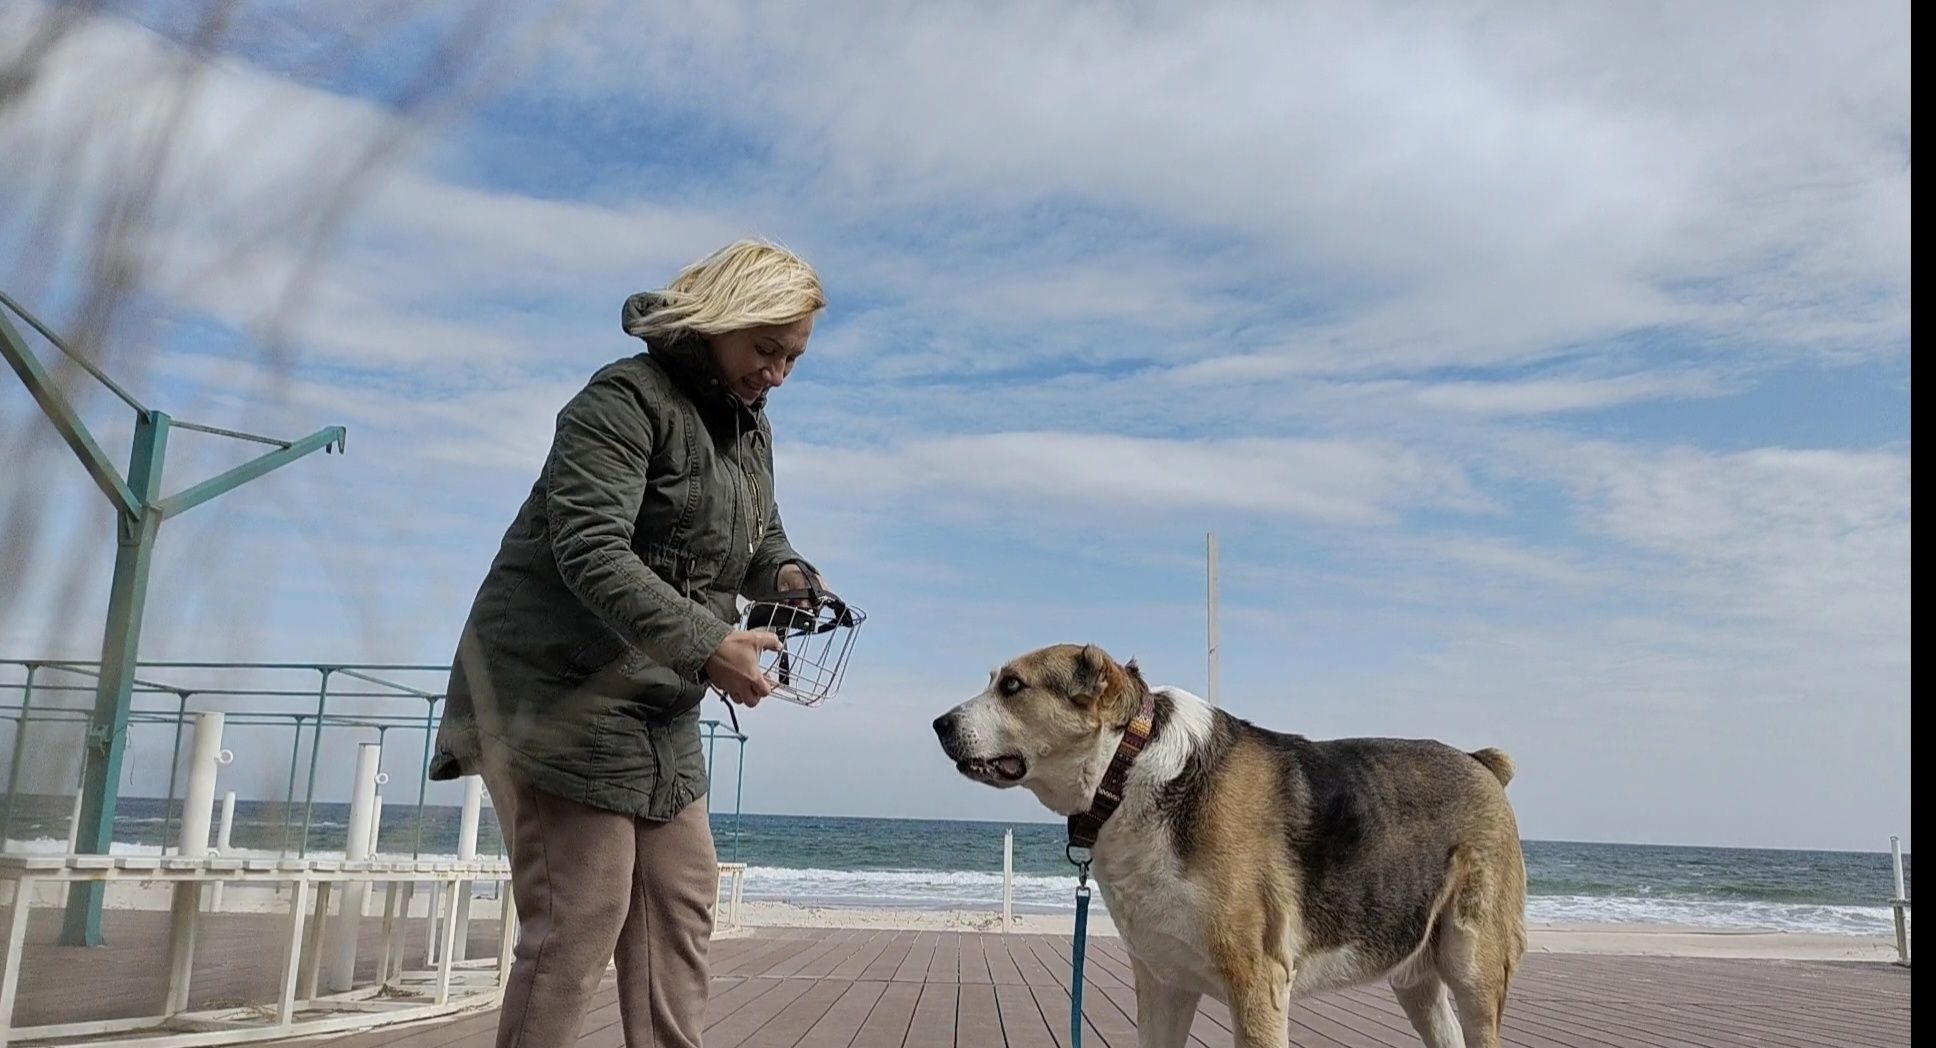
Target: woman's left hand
{"points": [[793, 577]]}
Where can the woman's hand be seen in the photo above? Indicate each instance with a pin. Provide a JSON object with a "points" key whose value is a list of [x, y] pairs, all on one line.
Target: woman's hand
{"points": [[735, 666], [792, 577]]}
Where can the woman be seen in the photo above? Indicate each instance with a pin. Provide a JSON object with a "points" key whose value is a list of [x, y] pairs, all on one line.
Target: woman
{"points": [[609, 608]]}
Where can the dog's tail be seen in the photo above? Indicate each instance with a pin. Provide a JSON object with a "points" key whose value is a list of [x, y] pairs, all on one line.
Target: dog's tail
{"points": [[1496, 762]]}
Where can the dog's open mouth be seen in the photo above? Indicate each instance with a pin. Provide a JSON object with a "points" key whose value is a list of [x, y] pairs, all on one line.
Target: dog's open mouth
{"points": [[996, 771]]}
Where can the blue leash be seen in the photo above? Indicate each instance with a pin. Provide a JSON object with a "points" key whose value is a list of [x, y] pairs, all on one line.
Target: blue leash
{"points": [[1080, 950]]}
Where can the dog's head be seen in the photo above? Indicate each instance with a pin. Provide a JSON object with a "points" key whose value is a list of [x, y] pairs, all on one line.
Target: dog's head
{"points": [[1044, 722]]}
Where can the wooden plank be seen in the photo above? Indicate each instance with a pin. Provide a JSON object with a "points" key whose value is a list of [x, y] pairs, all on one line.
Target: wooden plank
{"points": [[978, 1021], [787, 1028], [1026, 964], [823, 966], [758, 959], [854, 965], [887, 1024], [1001, 967], [946, 965], [791, 966], [974, 961], [736, 1028], [889, 960], [1054, 1004], [920, 955], [842, 1023], [933, 1025], [1023, 1025]]}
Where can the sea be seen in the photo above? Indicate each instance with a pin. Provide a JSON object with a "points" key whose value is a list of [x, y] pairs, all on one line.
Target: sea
{"points": [[953, 864]]}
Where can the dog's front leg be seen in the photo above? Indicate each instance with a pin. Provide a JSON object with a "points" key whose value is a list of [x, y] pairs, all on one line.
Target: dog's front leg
{"points": [[1163, 1010], [1260, 1002]]}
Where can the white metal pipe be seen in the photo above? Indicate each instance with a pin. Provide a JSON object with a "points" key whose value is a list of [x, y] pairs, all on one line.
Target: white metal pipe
{"points": [[228, 823], [1895, 857], [466, 852], [473, 811], [198, 804], [198, 809], [1008, 878], [356, 848], [1900, 903]]}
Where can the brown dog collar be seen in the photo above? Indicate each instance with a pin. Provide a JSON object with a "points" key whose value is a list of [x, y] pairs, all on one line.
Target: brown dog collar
{"points": [[1085, 826]]}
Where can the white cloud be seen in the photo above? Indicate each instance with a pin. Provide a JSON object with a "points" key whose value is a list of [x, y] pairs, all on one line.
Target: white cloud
{"points": [[1335, 482], [1816, 543], [1545, 396], [1456, 180]]}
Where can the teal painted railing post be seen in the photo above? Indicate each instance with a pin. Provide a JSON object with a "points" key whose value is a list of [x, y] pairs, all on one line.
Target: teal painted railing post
{"points": [[423, 773], [315, 749], [289, 798], [107, 733]]}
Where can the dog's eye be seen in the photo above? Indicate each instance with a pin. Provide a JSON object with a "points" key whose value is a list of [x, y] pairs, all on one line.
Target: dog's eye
{"points": [[1010, 685]]}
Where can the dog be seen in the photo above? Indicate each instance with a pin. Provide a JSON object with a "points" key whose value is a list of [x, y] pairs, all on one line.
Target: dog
{"points": [[1259, 867]]}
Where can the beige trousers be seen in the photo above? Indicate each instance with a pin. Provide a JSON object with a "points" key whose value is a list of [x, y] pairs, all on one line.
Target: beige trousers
{"points": [[592, 886]]}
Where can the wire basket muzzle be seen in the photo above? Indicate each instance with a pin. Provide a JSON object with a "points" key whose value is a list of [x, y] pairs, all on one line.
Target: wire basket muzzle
{"points": [[816, 632]]}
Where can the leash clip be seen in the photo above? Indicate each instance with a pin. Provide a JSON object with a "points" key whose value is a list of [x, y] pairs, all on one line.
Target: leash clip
{"points": [[1081, 865]]}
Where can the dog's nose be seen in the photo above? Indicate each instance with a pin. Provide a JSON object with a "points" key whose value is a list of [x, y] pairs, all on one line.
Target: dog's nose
{"points": [[944, 726]]}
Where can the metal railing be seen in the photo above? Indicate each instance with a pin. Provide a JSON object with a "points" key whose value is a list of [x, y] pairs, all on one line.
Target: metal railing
{"points": [[347, 701]]}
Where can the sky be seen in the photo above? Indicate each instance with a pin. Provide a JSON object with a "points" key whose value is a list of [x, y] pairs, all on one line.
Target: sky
{"points": [[1543, 371]]}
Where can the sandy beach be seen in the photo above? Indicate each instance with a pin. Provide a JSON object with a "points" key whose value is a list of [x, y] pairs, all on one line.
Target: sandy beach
{"points": [[1591, 938]]}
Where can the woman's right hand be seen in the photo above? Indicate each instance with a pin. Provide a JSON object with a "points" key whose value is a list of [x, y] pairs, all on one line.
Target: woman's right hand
{"points": [[735, 666]]}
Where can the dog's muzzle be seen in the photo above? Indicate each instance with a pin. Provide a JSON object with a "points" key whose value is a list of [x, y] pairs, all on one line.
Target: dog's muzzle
{"points": [[1006, 770]]}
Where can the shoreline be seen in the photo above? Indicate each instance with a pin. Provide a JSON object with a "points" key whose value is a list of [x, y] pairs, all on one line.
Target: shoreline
{"points": [[1639, 940]]}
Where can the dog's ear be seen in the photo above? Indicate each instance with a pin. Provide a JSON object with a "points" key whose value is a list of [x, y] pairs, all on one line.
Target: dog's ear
{"points": [[1135, 672], [1089, 676]]}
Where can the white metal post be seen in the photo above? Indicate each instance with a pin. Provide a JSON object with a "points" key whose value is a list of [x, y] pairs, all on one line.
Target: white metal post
{"points": [[197, 809], [1008, 879], [292, 957], [356, 848], [1900, 904], [466, 852]]}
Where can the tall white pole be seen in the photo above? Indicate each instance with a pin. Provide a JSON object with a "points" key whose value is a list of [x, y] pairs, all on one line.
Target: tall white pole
{"points": [[1899, 902], [1211, 584], [471, 815], [356, 848], [466, 852], [1008, 879], [198, 807]]}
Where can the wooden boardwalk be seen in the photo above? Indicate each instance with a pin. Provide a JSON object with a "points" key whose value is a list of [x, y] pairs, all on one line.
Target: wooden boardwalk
{"points": [[799, 988]]}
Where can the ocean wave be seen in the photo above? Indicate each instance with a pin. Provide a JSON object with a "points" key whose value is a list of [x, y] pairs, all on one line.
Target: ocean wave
{"points": [[1711, 913], [974, 889]]}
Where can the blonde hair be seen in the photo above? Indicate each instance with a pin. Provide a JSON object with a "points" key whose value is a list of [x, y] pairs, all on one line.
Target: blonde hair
{"points": [[747, 283]]}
